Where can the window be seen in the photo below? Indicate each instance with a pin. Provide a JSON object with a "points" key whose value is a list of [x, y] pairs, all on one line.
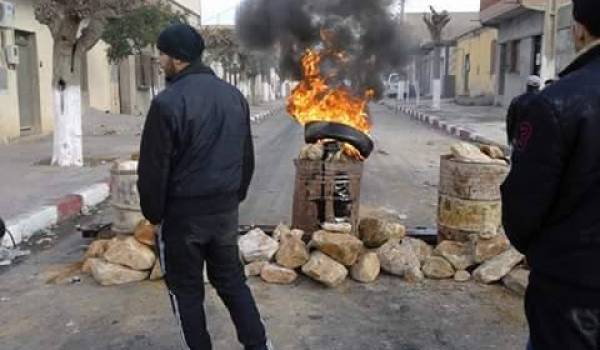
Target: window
{"points": [[144, 71], [513, 63]]}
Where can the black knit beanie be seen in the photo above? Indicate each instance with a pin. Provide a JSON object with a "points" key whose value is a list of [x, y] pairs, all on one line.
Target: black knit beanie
{"points": [[587, 13], [181, 41]]}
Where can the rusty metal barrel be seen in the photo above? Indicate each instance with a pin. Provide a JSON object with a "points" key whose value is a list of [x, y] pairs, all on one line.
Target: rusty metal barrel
{"points": [[125, 199], [326, 192], [469, 198]]}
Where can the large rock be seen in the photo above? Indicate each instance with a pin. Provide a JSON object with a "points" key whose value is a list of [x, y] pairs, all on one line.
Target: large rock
{"points": [[462, 276], [276, 274], [367, 268], [372, 232], [312, 152], [469, 153], [298, 233], [494, 152], [341, 247], [145, 233], [375, 232], [257, 246], [437, 267], [421, 248], [324, 269], [397, 258], [337, 228], [254, 269], [97, 248], [486, 248], [157, 272], [413, 275], [395, 230], [457, 253], [108, 274], [87, 266], [127, 251], [494, 269], [280, 231], [517, 280], [292, 252]]}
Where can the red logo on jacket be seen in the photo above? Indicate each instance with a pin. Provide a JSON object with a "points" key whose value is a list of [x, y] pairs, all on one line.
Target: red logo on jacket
{"points": [[525, 133]]}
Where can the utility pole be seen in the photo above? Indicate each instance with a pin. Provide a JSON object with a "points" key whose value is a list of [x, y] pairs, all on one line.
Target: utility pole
{"points": [[548, 70]]}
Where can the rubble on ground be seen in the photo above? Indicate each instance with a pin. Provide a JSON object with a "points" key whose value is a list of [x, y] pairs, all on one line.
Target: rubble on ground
{"points": [[467, 152], [124, 259], [272, 273], [324, 269], [437, 267], [292, 252], [256, 245], [332, 256], [367, 268], [499, 266], [517, 280]]}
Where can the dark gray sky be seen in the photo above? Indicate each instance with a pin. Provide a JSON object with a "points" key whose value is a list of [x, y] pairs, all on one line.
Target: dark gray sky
{"points": [[223, 11]]}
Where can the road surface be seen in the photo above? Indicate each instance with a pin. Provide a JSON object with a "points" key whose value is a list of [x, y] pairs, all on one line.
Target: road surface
{"points": [[390, 314]]}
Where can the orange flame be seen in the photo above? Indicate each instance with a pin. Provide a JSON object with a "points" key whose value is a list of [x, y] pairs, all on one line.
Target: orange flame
{"points": [[313, 100]]}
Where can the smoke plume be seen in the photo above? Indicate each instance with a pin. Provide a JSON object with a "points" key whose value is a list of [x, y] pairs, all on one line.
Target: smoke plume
{"points": [[359, 39]]}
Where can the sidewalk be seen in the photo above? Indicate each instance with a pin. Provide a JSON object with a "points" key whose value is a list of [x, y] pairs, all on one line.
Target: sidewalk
{"points": [[34, 195], [486, 124]]}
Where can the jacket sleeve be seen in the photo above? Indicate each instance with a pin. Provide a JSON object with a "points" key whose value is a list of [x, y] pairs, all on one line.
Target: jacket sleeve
{"points": [[155, 162], [530, 190], [248, 160]]}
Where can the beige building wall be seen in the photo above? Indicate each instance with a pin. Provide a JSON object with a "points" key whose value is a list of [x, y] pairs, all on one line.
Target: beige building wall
{"points": [[9, 113], [479, 45], [100, 80]]}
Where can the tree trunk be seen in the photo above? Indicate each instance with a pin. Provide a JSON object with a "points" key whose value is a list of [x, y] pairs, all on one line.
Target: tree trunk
{"points": [[66, 85], [437, 82]]}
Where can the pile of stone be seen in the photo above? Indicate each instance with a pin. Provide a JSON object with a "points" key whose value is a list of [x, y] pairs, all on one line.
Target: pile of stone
{"points": [[487, 154], [333, 254], [124, 259]]}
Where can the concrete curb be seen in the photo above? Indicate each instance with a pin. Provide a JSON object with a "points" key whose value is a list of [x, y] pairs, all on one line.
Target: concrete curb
{"points": [[25, 226], [258, 118], [457, 131]]}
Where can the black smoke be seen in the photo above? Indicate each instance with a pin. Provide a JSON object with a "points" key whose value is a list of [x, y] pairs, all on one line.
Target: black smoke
{"points": [[372, 39]]}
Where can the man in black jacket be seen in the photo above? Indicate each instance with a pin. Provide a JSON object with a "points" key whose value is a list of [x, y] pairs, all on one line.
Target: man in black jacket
{"points": [[196, 163], [551, 198]]}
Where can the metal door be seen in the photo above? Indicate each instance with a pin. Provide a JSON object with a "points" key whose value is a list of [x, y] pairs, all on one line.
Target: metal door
{"points": [[28, 84]]}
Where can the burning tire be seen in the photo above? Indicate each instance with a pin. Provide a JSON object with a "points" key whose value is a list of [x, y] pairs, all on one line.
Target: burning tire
{"points": [[317, 131]]}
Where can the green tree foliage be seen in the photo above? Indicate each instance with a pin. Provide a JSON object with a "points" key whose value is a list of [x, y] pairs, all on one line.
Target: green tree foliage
{"points": [[131, 34]]}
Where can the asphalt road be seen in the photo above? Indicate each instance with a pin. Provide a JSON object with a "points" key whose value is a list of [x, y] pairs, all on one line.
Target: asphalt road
{"points": [[388, 315]]}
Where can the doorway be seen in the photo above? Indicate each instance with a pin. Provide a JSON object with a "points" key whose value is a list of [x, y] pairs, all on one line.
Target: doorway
{"points": [[28, 84]]}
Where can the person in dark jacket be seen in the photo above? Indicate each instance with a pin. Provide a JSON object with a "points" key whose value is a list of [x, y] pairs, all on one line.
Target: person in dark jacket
{"points": [[551, 198], [196, 164], [518, 104]]}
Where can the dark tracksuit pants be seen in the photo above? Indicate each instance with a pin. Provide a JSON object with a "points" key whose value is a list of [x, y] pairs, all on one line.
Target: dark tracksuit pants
{"points": [[557, 323], [185, 244]]}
